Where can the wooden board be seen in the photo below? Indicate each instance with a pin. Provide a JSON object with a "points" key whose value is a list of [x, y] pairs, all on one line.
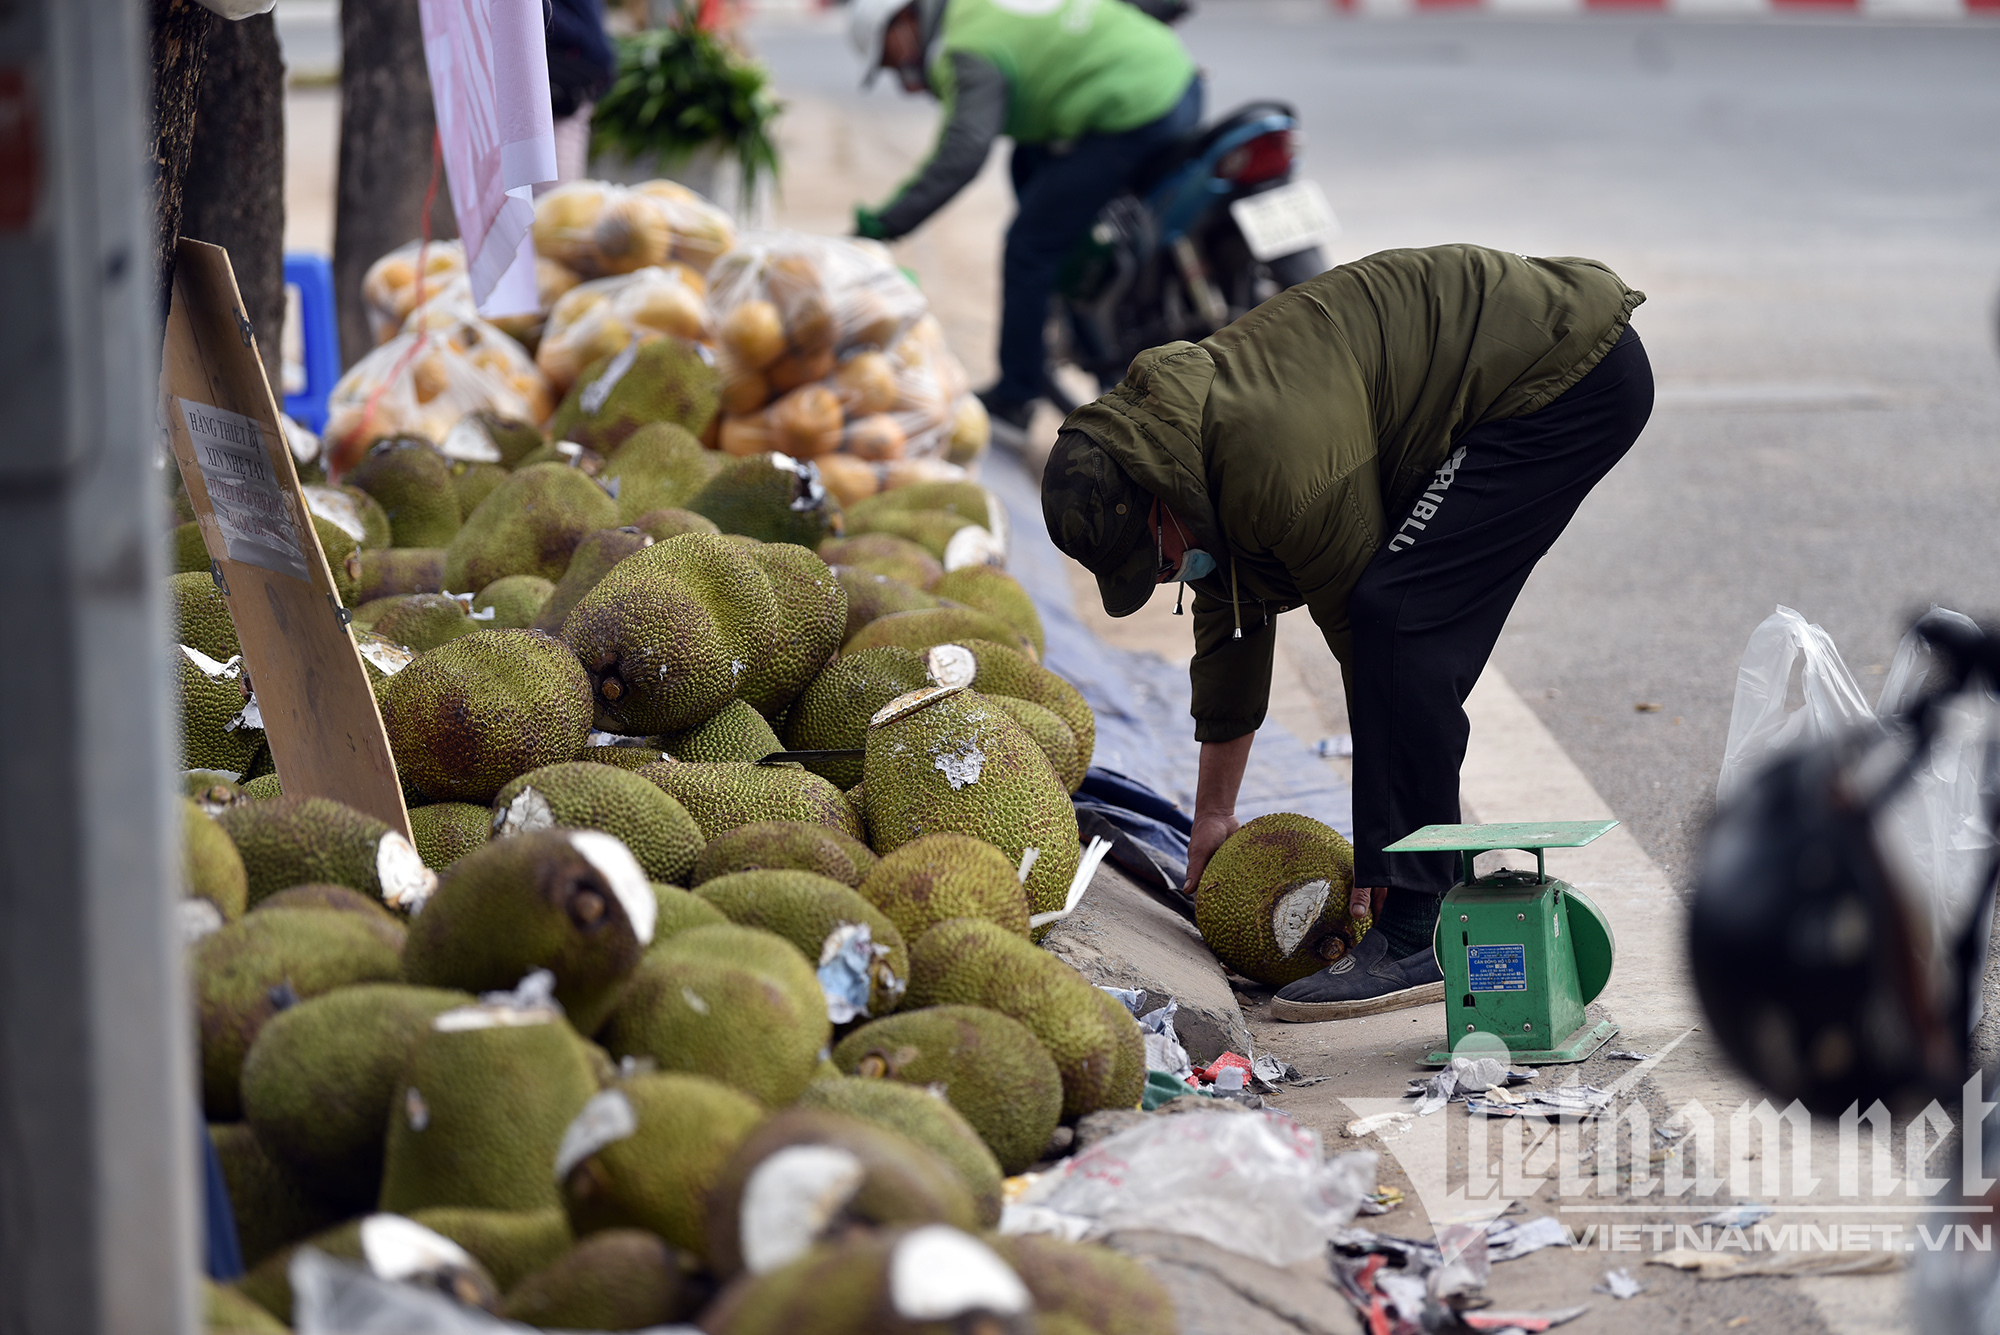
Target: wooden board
{"points": [[325, 733]]}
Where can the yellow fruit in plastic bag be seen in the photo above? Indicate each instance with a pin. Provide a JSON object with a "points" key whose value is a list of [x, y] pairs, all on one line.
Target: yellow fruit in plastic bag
{"points": [[744, 391], [876, 438], [565, 223], [672, 308], [866, 384], [552, 279], [747, 435], [807, 422], [848, 478], [631, 234], [870, 321], [754, 334], [430, 377], [971, 430], [676, 269], [798, 368], [574, 305], [809, 324]]}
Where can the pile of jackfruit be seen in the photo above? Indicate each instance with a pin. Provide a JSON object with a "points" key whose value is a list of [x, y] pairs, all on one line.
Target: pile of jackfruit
{"points": [[637, 1030]]}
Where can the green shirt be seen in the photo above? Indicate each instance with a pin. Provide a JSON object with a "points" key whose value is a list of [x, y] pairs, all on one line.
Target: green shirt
{"points": [[1288, 441]]}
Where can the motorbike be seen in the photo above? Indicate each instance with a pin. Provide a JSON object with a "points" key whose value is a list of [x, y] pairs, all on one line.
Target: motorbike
{"points": [[1211, 227]]}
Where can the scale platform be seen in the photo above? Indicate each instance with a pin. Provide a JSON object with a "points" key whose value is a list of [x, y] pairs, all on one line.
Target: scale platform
{"points": [[1542, 949]]}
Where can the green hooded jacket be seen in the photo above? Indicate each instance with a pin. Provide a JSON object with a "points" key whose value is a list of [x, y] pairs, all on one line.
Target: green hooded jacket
{"points": [[1291, 442]]}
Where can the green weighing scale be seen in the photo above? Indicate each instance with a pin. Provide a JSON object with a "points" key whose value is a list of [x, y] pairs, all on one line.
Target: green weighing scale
{"points": [[1522, 953]]}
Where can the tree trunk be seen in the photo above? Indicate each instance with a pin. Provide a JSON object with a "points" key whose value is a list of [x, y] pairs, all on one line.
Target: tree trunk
{"points": [[179, 33], [386, 130], [234, 192]]}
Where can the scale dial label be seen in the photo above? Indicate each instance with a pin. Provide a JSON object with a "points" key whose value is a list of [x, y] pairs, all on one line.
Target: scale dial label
{"points": [[1497, 968]]}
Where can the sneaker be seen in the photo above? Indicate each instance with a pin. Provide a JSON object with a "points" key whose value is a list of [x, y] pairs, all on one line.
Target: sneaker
{"points": [[1362, 982]]}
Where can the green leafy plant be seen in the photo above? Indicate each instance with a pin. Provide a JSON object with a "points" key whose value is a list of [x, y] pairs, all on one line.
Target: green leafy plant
{"points": [[681, 89]]}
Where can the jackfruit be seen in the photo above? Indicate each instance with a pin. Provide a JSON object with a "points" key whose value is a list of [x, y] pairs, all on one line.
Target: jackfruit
{"points": [[210, 789], [444, 832], [872, 597], [584, 796], [680, 910], [209, 698], [262, 788], [509, 1244], [189, 549], [924, 1118], [770, 497], [660, 525], [274, 1206], [812, 620], [1002, 670], [810, 1173], [993, 1070], [224, 1311], [200, 616], [530, 525], [467, 717], [514, 439], [318, 1082], [620, 1279], [832, 713], [1097, 1049], [211, 868], [946, 759], [1058, 743], [669, 634], [591, 562], [412, 483], [928, 1280], [250, 969], [573, 902], [623, 756], [660, 380], [568, 454], [966, 500], [291, 841], [658, 467], [514, 600], [736, 733], [418, 621], [472, 482], [944, 876], [481, 1110], [343, 559], [933, 530], [1272, 904], [997, 593], [396, 571], [723, 796], [806, 909], [353, 509], [930, 626], [1101, 1290], [885, 554], [647, 1152], [784, 846], [337, 899], [734, 1003]]}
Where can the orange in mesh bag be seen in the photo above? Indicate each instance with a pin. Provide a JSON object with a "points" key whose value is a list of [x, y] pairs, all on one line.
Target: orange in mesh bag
{"points": [[600, 229], [421, 383], [390, 289], [598, 318], [804, 424]]}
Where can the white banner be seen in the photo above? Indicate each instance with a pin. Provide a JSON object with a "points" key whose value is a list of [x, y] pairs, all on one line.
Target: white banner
{"points": [[490, 82]]}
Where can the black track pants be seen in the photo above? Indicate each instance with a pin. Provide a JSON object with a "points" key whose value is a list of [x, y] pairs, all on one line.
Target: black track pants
{"points": [[1428, 611]]}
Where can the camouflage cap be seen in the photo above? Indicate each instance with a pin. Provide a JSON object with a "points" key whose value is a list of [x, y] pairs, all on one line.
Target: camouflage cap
{"points": [[1096, 514]]}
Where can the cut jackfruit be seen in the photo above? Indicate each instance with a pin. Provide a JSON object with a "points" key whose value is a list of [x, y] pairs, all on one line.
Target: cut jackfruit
{"points": [[1272, 903]]}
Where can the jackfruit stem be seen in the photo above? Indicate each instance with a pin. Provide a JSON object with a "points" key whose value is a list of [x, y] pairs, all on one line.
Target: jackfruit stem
{"points": [[611, 689]]}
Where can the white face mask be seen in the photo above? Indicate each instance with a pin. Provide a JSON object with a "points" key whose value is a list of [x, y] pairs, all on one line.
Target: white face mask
{"points": [[1195, 563]]}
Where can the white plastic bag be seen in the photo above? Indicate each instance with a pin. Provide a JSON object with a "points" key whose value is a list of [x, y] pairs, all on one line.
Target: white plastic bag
{"points": [[1768, 716], [1253, 1183]]}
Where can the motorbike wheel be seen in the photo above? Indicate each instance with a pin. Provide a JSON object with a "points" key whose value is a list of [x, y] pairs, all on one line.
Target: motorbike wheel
{"points": [[1293, 269]]}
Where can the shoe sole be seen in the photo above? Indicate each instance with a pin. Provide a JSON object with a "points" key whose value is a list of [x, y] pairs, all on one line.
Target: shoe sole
{"points": [[1309, 1012]]}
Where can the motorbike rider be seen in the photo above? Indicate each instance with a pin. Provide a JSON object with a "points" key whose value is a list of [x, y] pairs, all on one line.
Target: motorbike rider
{"points": [[1086, 89], [1391, 445]]}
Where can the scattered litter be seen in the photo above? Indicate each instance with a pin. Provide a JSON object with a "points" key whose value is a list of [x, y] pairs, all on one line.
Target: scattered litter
{"points": [[1263, 1188], [1630, 1056], [1647, 707], [1383, 1200], [1775, 1265], [1580, 1101], [1462, 1077], [847, 963], [1401, 1287], [1212, 1073], [1526, 1322], [1738, 1216], [1269, 1072], [1132, 999], [1382, 1124], [1620, 1284], [1163, 1046], [1505, 1239], [1340, 744]]}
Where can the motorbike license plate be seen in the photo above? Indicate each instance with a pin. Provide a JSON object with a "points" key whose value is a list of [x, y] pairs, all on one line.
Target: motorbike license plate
{"points": [[1282, 221]]}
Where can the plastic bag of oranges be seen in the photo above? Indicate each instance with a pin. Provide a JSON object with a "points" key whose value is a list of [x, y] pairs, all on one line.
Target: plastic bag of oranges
{"points": [[600, 229], [598, 318], [390, 289], [420, 383]]}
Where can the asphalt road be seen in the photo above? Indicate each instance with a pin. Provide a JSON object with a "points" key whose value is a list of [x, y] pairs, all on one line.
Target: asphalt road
{"points": [[1813, 207]]}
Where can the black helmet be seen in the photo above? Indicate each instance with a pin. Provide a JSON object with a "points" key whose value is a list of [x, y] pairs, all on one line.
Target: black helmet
{"points": [[1811, 955]]}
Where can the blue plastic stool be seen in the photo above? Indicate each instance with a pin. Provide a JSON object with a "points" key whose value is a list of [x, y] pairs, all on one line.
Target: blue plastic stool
{"points": [[312, 275]]}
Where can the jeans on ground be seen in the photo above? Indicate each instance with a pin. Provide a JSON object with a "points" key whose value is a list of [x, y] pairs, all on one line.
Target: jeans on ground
{"points": [[1060, 194], [1428, 611]]}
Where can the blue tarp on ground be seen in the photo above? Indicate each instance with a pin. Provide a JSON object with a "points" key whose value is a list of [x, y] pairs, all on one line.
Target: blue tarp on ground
{"points": [[1141, 700]]}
